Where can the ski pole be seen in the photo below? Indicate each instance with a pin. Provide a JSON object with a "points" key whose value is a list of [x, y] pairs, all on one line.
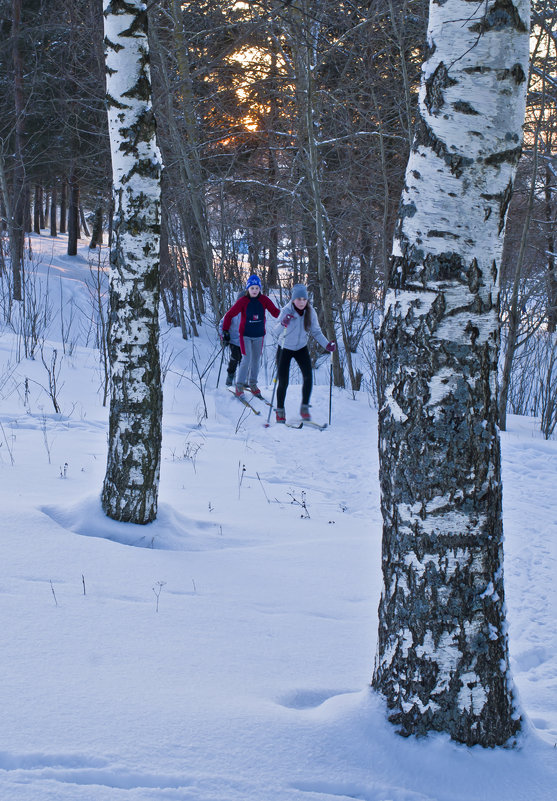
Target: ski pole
{"points": [[330, 388], [275, 377], [267, 423], [221, 361]]}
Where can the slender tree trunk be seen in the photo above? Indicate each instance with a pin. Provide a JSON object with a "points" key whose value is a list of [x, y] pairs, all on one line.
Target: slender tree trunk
{"points": [[53, 211], [306, 31], [45, 219], [272, 269], [97, 234], [73, 215], [27, 222], [7, 204], [130, 490], [442, 662], [41, 208], [274, 174], [386, 194], [37, 210], [83, 221], [190, 163], [514, 315], [367, 268], [169, 287], [18, 182], [551, 261], [63, 206]]}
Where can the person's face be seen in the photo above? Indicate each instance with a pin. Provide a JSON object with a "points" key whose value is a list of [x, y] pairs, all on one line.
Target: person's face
{"points": [[254, 291], [300, 303]]}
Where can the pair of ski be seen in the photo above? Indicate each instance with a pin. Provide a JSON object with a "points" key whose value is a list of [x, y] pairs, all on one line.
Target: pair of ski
{"points": [[310, 423], [297, 424], [247, 402]]}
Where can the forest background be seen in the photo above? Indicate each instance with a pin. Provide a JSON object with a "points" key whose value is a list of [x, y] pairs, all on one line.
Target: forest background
{"points": [[269, 120]]}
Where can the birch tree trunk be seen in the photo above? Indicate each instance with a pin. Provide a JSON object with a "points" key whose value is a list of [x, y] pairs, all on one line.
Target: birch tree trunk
{"points": [[442, 661], [130, 489]]}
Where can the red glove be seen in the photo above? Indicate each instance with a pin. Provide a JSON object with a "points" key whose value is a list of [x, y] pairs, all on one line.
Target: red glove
{"points": [[287, 319], [330, 347]]}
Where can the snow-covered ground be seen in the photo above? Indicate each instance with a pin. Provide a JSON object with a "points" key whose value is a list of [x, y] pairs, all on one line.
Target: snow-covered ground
{"points": [[224, 652]]}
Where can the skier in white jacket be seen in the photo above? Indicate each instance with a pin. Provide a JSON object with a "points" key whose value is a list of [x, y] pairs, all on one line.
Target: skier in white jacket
{"points": [[300, 320]]}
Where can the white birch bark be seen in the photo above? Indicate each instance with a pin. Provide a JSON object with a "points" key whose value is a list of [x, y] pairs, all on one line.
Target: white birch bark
{"points": [[130, 489], [442, 661]]}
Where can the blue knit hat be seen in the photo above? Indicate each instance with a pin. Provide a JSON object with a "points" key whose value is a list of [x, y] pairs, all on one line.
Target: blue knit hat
{"points": [[299, 291], [253, 280]]}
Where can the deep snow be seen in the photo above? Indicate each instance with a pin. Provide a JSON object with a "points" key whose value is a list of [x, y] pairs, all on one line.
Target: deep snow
{"points": [[251, 681]]}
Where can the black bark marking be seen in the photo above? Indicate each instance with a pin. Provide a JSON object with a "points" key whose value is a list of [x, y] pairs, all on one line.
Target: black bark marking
{"points": [[502, 15], [435, 87], [504, 205], [425, 136], [464, 107], [518, 74], [503, 199], [407, 209], [511, 156], [111, 102], [112, 45], [141, 90], [442, 234], [474, 277]]}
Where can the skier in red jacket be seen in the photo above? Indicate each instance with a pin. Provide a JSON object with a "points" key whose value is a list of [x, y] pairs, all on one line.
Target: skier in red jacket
{"points": [[251, 307]]}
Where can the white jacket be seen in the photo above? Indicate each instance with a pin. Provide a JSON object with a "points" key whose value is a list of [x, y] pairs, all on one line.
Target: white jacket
{"points": [[296, 335], [234, 330], [234, 325]]}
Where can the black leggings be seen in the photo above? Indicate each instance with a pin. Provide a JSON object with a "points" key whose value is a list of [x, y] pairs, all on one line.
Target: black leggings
{"points": [[303, 360], [235, 359]]}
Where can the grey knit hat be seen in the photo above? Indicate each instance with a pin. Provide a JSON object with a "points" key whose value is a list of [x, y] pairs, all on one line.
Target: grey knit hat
{"points": [[299, 291]]}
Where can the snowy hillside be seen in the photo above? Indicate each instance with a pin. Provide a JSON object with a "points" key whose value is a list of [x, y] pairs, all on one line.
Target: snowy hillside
{"points": [[224, 652]]}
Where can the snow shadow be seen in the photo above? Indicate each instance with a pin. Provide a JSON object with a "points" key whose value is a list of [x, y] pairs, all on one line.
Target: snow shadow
{"points": [[171, 531], [310, 699]]}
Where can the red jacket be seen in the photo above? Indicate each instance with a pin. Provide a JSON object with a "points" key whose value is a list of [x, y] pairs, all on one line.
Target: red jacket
{"points": [[240, 308]]}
